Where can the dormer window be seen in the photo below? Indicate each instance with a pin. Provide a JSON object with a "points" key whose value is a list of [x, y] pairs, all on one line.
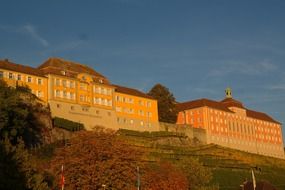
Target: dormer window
{"points": [[63, 72], [101, 81], [83, 78]]}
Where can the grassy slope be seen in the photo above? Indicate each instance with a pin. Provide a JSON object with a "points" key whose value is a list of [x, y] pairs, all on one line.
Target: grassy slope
{"points": [[230, 167]]}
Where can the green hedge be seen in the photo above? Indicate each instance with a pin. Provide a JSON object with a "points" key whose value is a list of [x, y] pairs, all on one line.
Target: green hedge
{"points": [[153, 134], [67, 124]]}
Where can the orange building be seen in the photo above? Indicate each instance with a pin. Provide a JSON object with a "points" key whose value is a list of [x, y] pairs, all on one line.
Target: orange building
{"points": [[135, 108], [15, 74], [77, 92], [229, 123]]}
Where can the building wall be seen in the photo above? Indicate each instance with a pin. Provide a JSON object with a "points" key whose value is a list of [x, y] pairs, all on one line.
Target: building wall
{"points": [[236, 130], [90, 116], [136, 113], [191, 132], [81, 100], [37, 84]]}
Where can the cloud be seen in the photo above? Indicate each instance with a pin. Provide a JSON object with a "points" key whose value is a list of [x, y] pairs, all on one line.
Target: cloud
{"points": [[64, 47], [277, 87], [31, 30], [244, 68], [27, 29]]}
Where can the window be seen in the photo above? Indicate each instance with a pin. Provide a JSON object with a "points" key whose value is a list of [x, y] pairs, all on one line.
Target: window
{"points": [[64, 94], [72, 96], [19, 77], [85, 109], [109, 102], [141, 123], [29, 79], [141, 102], [57, 93], [83, 86], [131, 121], [148, 104], [118, 109], [39, 81], [141, 112], [57, 82], [40, 94], [58, 105], [97, 112], [1, 74], [71, 84], [131, 100], [104, 91], [109, 92], [72, 107], [81, 98], [64, 83], [10, 75], [98, 90]]}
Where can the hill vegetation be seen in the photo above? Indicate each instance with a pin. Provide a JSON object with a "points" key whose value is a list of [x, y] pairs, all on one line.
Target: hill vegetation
{"points": [[229, 167], [20, 130], [29, 159]]}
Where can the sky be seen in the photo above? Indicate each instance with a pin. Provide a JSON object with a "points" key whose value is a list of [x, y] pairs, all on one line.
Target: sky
{"points": [[194, 48]]}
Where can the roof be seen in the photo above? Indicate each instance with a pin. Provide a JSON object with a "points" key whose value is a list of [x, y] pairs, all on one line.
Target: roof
{"points": [[131, 91], [6, 64], [57, 65], [260, 115], [201, 103], [230, 102], [224, 106]]}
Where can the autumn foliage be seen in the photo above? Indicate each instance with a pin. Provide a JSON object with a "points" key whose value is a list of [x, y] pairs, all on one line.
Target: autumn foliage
{"points": [[164, 176], [93, 159]]}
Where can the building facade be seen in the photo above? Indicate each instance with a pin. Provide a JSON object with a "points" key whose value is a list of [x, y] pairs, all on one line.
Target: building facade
{"points": [[134, 108], [78, 93], [229, 123]]}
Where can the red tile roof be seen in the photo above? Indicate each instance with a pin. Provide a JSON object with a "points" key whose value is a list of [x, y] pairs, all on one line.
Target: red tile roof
{"points": [[131, 91], [223, 105], [260, 115], [57, 65], [230, 102], [201, 103], [7, 65]]}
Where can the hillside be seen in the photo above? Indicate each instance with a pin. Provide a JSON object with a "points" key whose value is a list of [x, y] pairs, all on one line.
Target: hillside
{"points": [[230, 167]]}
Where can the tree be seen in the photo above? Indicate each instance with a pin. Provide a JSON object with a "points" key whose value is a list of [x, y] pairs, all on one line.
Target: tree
{"points": [[18, 170], [166, 103], [17, 116], [96, 158], [164, 176], [198, 176]]}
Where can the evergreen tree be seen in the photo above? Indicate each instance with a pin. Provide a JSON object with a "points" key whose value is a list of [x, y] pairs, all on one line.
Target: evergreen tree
{"points": [[166, 103], [17, 118], [18, 171]]}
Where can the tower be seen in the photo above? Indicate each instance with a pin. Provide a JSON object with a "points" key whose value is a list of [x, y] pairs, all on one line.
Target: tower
{"points": [[228, 92]]}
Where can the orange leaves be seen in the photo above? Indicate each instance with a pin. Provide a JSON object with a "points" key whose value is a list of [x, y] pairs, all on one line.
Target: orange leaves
{"points": [[164, 176], [97, 158]]}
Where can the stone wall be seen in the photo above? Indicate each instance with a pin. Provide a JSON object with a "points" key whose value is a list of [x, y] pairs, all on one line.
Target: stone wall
{"points": [[198, 134]]}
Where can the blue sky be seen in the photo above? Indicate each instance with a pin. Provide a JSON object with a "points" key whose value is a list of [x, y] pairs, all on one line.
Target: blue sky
{"points": [[195, 48]]}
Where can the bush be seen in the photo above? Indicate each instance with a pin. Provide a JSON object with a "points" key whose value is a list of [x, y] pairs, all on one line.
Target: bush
{"points": [[153, 134], [67, 124]]}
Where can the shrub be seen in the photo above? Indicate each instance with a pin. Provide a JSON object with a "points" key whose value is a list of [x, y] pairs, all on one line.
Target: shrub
{"points": [[67, 124]]}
